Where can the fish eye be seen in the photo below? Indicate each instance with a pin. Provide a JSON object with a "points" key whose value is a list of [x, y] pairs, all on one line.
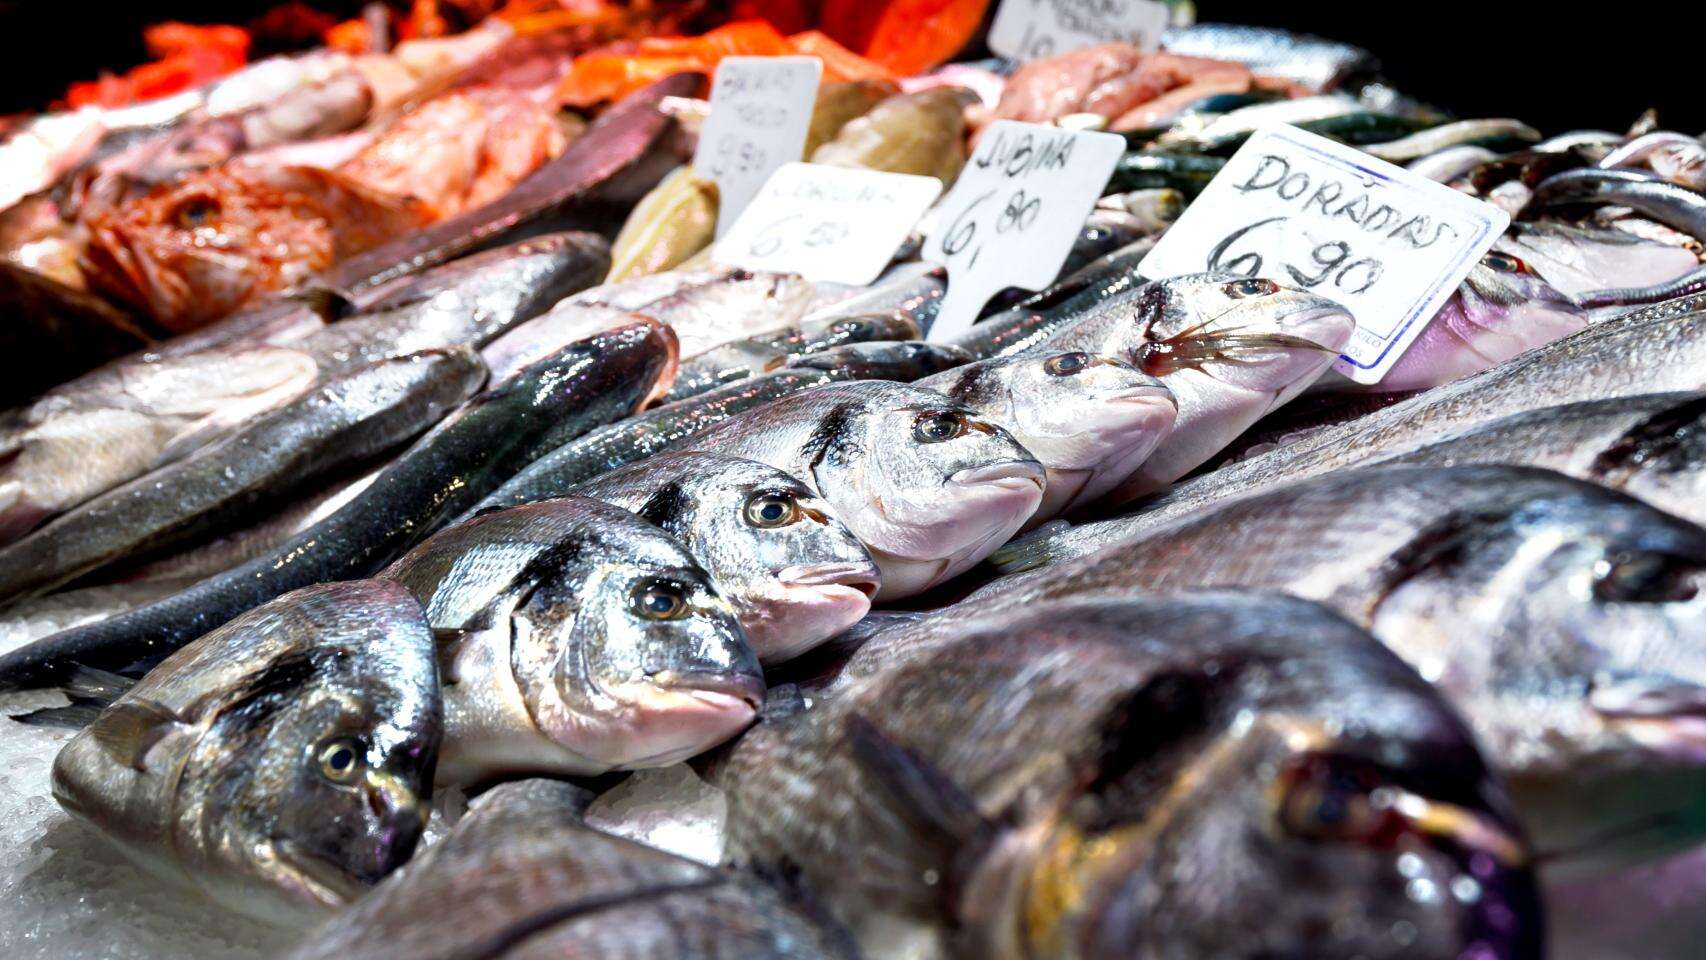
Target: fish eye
{"points": [[660, 600], [196, 212], [772, 508], [1253, 287], [938, 426], [1066, 364], [1504, 263], [1639, 577], [340, 760], [1322, 799]]}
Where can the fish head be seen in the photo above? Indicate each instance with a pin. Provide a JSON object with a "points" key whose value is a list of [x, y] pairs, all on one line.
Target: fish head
{"points": [[1589, 688], [794, 573], [632, 658], [1090, 420], [1284, 838], [927, 484]]}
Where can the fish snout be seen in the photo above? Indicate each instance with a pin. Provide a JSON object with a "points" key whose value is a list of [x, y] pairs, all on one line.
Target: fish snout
{"points": [[1012, 475], [818, 601], [863, 576], [400, 814], [731, 691]]}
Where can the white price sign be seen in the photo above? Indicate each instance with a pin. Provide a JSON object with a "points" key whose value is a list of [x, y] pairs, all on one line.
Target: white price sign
{"points": [[833, 224], [761, 108], [1313, 213], [1013, 215], [1031, 29]]}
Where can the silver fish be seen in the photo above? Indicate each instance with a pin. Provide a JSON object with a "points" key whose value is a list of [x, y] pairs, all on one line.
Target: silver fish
{"points": [[1578, 260], [1324, 776], [1319, 64], [711, 307], [577, 638], [1091, 421], [1566, 621], [280, 764], [928, 486], [522, 875], [793, 572]]}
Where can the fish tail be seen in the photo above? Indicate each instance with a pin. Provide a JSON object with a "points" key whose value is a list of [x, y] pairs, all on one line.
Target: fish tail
{"points": [[90, 691], [1030, 551]]}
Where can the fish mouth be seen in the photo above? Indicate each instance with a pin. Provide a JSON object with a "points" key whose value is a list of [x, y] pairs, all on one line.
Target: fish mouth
{"points": [[318, 879], [862, 577], [1015, 475], [731, 691], [1146, 395], [682, 714], [1314, 321]]}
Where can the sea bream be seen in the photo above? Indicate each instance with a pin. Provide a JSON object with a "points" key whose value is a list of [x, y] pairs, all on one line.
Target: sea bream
{"points": [[522, 875], [793, 572], [1567, 622], [1207, 775], [576, 638], [279, 765], [925, 483]]}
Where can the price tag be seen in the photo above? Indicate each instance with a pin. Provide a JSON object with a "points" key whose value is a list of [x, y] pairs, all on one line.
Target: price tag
{"points": [[761, 108], [1032, 29], [834, 224], [1014, 213], [1309, 212]]}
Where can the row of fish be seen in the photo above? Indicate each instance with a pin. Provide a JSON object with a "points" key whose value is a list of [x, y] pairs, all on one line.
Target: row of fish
{"points": [[1349, 675]]}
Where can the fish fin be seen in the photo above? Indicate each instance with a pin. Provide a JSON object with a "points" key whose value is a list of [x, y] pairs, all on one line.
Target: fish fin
{"points": [[1029, 551], [88, 683], [78, 715], [127, 731]]}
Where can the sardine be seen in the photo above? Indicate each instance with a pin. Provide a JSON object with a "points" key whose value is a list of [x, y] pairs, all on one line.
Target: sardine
{"points": [[576, 638], [279, 765], [345, 422], [558, 472], [1090, 420], [523, 875], [1669, 203], [1326, 778], [1457, 134], [586, 385], [1567, 621], [927, 485], [793, 572]]}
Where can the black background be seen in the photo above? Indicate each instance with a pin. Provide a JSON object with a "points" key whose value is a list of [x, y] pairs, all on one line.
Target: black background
{"points": [[1559, 66]]}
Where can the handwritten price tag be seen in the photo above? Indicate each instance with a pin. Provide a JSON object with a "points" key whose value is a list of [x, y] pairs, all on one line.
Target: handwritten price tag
{"points": [[761, 108], [1032, 29], [1310, 212], [836, 224], [1014, 213]]}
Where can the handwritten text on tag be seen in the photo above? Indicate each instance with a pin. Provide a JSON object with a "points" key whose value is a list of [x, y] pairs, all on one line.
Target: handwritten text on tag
{"points": [[1032, 29], [1014, 213], [1309, 212], [835, 224], [761, 108]]}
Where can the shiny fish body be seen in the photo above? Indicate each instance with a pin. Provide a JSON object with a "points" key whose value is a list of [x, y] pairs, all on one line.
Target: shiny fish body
{"points": [[588, 384], [280, 765], [915, 796], [742, 359], [522, 875], [576, 639], [1319, 64]]}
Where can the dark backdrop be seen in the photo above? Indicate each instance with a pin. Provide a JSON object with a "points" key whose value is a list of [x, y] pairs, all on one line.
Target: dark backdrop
{"points": [[1557, 65]]}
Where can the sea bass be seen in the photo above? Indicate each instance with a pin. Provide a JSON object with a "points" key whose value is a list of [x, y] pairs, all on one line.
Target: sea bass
{"points": [[577, 639], [279, 765]]}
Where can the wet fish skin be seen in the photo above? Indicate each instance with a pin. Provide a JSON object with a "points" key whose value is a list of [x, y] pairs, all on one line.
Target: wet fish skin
{"points": [[558, 472], [1579, 260], [1230, 349], [1039, 316], [914, 794], [1090, 420], [557, 658], [1671, 204], [926, 484], [588, 384], [1320, 64], [522, 872], [709, 308], [344, 422], [793, 571], [279, 765], [1564, 619], [741, 359]]}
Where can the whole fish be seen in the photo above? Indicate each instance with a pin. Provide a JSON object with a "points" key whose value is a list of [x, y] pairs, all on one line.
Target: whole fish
{"points": [[576, 638], [348, 420], [793, 572], [522, 875], [1564, 619], [1320, 65], [1671, 204], [1447, 165], [1448, 135], [1090, 420], [916, 805], [754, 356], [558, 472], [586, 385], [927, 485], [1652, 447], [1659, 348], [1230, 350], [712, 307], [1578, 260], [279, 765]]}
